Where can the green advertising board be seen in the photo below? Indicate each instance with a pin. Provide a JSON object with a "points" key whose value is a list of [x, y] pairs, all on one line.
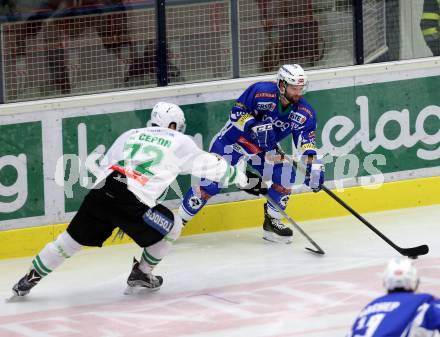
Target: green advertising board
{"points": [[397, 123], [21, 171]]}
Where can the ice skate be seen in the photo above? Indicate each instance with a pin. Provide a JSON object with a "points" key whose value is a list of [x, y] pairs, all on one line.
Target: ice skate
{"points": [[140, 280], [26, 283], [274, 230]]}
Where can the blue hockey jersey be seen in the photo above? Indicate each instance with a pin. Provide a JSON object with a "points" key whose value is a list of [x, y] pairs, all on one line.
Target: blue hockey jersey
{"points": [[261, 103], [398, 314]]}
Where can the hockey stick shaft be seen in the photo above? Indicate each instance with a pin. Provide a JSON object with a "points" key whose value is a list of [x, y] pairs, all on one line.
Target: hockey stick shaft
{"points": [[318, 250], [411, 252]]}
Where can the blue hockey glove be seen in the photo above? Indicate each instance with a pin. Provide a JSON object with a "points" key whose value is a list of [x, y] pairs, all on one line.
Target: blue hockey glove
{"points": [[316, 177], [264, 136]]}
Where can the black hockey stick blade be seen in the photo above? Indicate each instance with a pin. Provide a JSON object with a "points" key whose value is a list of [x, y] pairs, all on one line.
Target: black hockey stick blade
{"points": [[317, 251], [409, 252], [414, 252]]}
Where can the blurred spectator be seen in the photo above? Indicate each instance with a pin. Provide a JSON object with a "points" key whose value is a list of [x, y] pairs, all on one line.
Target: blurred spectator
{"points": [[8, 8], [58, 22], [145, 65], [430, 25], [292, 33]]}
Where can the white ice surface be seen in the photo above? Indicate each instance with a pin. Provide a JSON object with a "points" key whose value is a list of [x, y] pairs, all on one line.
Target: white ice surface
{"points": [[229, 284]]}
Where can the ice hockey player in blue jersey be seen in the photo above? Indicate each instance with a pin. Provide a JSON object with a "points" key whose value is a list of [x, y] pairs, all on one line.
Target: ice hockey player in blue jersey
{"points": [[402, 312], [262, 116]]}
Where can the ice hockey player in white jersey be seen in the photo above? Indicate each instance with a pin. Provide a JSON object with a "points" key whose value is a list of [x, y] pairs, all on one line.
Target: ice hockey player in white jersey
{"points": [[133, 174], [402, 312]]}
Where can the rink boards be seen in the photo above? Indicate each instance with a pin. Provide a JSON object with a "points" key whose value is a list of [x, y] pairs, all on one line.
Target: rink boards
{"points": [[377, 123], [249, 213]]}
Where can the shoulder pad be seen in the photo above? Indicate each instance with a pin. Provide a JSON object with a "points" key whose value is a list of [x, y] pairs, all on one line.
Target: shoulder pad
{"points": [[265, 90], [306, 109]]}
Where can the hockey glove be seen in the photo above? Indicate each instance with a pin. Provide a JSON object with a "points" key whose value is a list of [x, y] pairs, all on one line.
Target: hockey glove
{"points": [[255, 185], [315, 175], [264, 136]]}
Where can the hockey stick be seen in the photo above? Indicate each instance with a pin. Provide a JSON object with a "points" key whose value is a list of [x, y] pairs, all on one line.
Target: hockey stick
{"points": [[294, 224], [263, 191], [411, 252]]}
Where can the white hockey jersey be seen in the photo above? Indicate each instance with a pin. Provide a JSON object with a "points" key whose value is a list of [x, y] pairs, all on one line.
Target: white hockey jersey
{"points": [[151, 158]]}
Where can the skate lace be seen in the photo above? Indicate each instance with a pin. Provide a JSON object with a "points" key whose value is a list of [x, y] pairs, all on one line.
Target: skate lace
{"points": [[278, 224], [152, 279], [32, 278]]}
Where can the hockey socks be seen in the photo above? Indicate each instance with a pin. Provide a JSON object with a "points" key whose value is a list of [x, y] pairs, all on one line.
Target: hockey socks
{"points": [[55, 253], [50, 257]]}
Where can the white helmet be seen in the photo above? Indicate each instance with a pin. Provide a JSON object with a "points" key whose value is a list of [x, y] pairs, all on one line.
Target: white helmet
{"points": [[292, 74], [163, 114], [400, 274]]}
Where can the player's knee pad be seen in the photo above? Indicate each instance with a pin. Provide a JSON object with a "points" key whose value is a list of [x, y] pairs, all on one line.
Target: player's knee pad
{"points": [[281, 196]]}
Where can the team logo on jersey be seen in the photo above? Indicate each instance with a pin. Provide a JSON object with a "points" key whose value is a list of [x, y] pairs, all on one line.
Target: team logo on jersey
{"points": [[237, 114], [284, 200], [277, 123], [266, 106], [195, 202], [300, 119], [297, 127], [265, 95]]}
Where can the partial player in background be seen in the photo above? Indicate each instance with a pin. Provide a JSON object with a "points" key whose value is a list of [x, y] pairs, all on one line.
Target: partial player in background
{"points": [[401, 312], [262, 116], [132, 176], [430, 25]]}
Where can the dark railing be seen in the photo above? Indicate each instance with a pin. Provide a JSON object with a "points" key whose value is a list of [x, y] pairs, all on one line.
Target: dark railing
{"points": [[72, 48]]}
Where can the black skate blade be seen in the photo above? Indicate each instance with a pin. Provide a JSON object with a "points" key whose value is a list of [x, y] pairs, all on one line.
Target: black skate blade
{"points": [[14, 298], [136, 290], [270, 237]]}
